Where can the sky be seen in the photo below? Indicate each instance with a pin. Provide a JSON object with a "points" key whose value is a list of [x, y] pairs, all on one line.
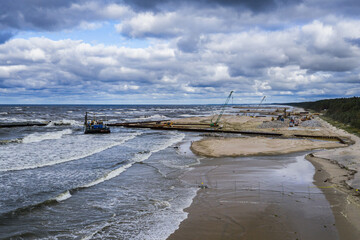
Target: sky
{"points": [[178, 52]]}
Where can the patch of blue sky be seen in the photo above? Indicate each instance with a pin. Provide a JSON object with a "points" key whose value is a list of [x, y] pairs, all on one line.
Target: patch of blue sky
{"points": [[103, 33]]}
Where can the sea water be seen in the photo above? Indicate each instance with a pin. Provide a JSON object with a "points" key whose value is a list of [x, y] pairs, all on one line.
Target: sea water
{"points": [[58, 183]]}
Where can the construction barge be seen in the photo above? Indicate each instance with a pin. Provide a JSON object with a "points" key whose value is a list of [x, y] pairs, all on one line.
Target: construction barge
{"points": [[95, 126]]}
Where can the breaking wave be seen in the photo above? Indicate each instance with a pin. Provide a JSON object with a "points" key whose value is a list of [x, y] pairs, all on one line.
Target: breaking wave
{"points": [[139, 157], [38, 137], [29, 165], [155, 117], [65, 122], [63, 196]]}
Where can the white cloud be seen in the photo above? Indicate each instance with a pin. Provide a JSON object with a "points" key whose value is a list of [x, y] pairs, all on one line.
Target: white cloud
{"points": [[202, 52], [150, 24]]}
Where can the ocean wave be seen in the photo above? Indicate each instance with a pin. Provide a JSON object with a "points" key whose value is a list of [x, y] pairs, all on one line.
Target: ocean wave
{"points": [[139, 157], [38, 137], [63, 196], [114, 173], [29, 208], [15, 120], [68, 159], [4, 113], [155, 117], [66, 122], [48, 202], [108, 176], [159, 204], [167, 222]]}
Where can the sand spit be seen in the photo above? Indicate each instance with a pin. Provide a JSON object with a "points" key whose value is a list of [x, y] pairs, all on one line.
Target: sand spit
{"points": [[229, 209], [232, 147], [259, 124]]}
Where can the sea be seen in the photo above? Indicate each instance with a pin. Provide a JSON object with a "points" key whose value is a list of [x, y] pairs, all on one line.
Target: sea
{"points": [[58, 183]]}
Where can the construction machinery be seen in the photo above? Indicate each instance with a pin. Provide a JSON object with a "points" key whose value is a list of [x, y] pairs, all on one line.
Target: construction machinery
{"points": [[258, 106], [95, 126], [216, 123]]}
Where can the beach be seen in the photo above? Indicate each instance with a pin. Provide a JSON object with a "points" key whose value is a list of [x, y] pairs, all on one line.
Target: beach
{"points": [[233, 181], [250, 146], [266, 188]]}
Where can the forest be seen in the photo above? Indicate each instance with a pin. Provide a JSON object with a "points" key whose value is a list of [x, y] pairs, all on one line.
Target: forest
{"points": [[344, 110]]}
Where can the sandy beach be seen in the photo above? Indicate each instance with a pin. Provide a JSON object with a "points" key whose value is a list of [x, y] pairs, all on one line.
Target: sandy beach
{"points": [[266, 188], [250, 146]]}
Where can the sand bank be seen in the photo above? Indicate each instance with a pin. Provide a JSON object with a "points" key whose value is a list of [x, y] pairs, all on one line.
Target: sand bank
{"points": [[260, 124], [269, 197], [244, 200], [231, 147]]}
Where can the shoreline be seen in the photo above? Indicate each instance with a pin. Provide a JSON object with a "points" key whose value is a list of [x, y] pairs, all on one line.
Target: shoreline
{"points": [[249, 198], [217, 217], [331, 178]]}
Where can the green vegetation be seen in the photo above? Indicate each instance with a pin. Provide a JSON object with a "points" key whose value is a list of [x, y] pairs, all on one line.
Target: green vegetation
{"points": [[341, 112]]}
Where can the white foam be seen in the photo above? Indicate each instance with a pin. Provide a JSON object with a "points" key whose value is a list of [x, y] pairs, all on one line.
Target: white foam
{"points": [[3, 113], [38, 137], [139, 157], [159, 204], [167, 220], [148, 118], [109, 175], [63, 196], [19, 120], [66, 122], [96, 229], [27, 159]]}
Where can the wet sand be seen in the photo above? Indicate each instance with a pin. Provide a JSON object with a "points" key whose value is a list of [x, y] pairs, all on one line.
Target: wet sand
{"points": [[330, 178], [268, 197], [273, 197]]}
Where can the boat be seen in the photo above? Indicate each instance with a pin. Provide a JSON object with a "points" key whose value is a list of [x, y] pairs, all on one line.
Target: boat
{"points": [[95, 126]]}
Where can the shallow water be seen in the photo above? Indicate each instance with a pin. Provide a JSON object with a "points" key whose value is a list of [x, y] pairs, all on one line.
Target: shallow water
{"points": [[56, 182]]}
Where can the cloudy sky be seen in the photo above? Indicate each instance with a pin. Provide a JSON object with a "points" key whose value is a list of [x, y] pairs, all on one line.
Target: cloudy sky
{"points": [[178, 52]]}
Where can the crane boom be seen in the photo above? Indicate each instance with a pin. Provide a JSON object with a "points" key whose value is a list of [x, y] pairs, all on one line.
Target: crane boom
{"points": [[261, 102], [215, 124]]}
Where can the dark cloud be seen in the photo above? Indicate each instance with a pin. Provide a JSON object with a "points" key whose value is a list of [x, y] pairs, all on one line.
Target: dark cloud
{"points": [[18, 14], [189, 44], [344, 7], [354, 41], [253, 5], [5, 36], [52, 15]]}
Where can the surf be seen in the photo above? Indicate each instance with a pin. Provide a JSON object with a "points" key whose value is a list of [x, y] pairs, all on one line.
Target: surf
{"points": [[26, 165]]}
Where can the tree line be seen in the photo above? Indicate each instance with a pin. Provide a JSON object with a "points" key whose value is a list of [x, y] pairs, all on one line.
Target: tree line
{"points": [[344, 110]]}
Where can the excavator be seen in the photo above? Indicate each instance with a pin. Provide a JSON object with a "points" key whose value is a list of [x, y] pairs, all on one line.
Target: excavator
{"points": [[216, 123]]}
